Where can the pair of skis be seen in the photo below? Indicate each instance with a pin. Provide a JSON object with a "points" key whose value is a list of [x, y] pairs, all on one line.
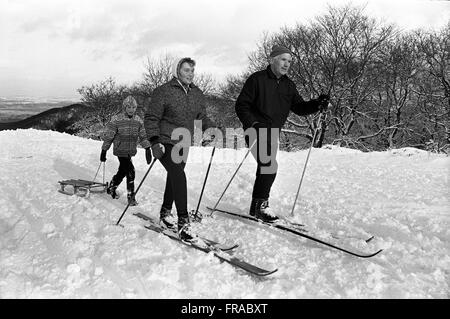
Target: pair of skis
{"points": [[223, 252], [203, 244], [285, 226]]}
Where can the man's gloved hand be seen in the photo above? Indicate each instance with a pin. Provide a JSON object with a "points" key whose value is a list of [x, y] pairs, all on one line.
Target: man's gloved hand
{"points": [[103, 156], [148, 155], [158, 150], [207, 141], [324, 100], [216, 132]]}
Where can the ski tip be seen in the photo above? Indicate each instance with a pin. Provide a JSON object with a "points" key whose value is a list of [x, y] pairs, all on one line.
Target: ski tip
{"points": [[378, 252], [65, 193], [267, 273], [372, 255]]}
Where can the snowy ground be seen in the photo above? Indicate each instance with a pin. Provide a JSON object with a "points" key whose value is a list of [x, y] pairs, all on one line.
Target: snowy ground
{"points": [[58, 246]]}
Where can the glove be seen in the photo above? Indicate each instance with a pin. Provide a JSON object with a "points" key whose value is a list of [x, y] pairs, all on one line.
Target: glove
{"points": [[103, 156], [207, 141], [158, 150], [323, 100], [148, 155]]}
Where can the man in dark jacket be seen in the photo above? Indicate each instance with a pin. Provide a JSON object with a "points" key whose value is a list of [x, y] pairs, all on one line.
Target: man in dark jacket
{"points": [[175, 104], [263, 107]]}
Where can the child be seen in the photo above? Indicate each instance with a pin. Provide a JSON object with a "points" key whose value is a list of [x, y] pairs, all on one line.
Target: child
{"points": [[124, 130]]}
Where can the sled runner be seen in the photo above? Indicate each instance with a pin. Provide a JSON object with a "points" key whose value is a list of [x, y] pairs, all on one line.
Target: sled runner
{"points": [[82, 187]]}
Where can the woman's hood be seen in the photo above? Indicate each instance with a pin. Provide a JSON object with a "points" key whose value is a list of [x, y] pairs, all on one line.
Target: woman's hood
{"points": [[176, 67]]}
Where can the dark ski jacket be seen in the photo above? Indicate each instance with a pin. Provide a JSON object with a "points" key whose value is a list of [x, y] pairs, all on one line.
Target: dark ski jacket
{"points": [[125, 132], [172, 107], [266, 99]]}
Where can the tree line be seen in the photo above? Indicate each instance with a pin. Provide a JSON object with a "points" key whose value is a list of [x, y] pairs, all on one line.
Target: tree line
{"points": [[389, 88]]}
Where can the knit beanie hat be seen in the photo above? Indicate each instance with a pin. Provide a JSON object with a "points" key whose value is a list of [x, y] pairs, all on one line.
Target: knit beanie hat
{"points": [[129, 100], [278, 49]]}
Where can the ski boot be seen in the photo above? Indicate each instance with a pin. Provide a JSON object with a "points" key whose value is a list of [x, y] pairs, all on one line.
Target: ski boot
{"points": [[184, 230], [112, 190], [166, 218], [262, 211], [132, 200]]}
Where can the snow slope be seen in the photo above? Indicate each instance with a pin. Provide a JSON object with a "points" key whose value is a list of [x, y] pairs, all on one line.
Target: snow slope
{"points": [[58, 246]]}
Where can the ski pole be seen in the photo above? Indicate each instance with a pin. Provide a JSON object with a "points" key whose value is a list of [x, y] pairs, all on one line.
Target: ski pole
{"points": [[97, 172], [223, 193], [204, 182], [306, 162], [104, 166], [136, 190]]}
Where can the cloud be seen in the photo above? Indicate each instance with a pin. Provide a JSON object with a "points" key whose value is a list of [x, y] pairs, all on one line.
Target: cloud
{"points": [[36, 24], [113, 37], [225, 33], [92, 31]]}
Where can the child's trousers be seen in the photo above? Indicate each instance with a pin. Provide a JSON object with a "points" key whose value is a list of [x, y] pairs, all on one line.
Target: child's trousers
{"points": [[126, 169]]}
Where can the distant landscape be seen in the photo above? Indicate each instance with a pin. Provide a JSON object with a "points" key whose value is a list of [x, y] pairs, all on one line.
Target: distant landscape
{"points": [[19, 108]]}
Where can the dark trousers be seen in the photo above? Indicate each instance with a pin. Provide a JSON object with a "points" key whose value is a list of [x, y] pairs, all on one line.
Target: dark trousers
{"points": [[265, 154], [176, 184], [126, 169]]}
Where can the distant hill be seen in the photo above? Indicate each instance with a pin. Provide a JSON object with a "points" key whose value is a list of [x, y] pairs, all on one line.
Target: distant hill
{"points": [[57, 119]]}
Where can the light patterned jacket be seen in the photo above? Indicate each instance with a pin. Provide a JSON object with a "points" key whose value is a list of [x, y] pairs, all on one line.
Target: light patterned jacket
{"points": [[125, 132]]}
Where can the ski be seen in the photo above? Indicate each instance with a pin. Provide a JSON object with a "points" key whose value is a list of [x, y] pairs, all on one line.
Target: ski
{"points": [[283, 222], [207, 241], [303, 233], [203, 245]]}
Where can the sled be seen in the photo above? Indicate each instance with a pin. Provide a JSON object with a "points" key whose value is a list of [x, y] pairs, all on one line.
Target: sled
{"points": [[82, 187]]}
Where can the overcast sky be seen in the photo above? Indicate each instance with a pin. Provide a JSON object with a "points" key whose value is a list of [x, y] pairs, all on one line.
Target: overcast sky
{"points": [[53, 47]]}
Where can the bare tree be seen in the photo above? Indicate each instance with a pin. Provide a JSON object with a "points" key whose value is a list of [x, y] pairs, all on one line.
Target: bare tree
{"points": [[206, 83], [351, 44], [392, 108], [226, 96], [259, 59], [157, 72], [232, 87], [433, 89], [335, 54], [105, 100]]}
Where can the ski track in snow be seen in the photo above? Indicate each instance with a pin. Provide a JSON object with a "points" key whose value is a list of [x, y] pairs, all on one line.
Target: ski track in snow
{"points": [[58, 246]]}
